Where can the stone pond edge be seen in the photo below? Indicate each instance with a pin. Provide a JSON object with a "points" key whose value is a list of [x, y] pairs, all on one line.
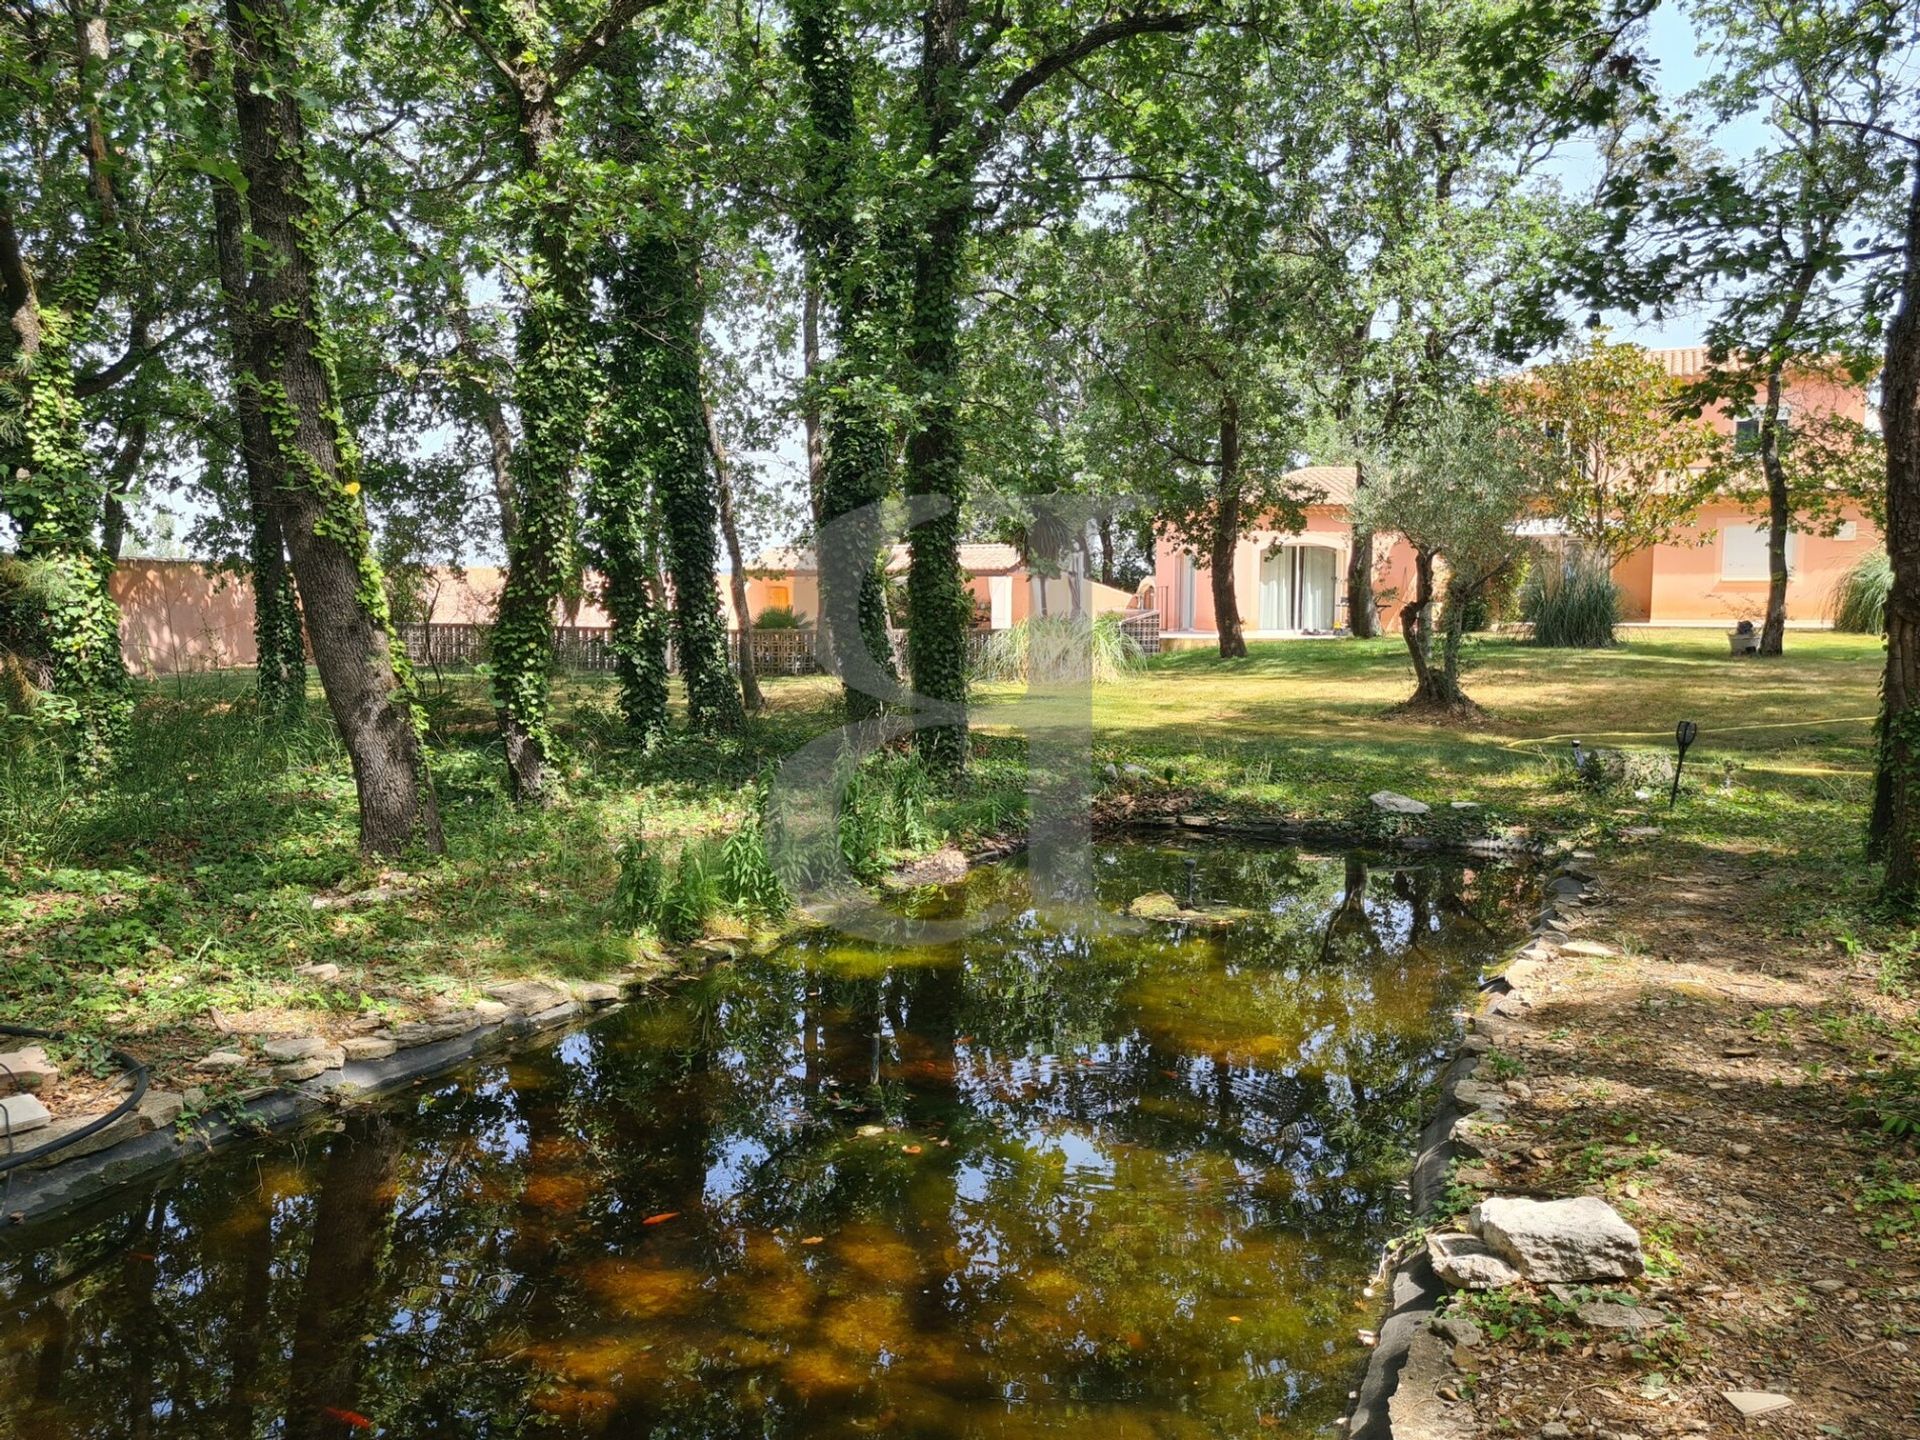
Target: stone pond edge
{"points": [[1414, 1291], [55, 1188]]}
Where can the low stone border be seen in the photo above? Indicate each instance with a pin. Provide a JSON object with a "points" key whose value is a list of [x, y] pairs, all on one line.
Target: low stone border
{"points": [[1396, 1399], [149, 1140]]}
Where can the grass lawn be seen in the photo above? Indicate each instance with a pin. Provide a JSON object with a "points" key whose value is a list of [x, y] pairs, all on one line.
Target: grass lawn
{"points": [[135, 908]]}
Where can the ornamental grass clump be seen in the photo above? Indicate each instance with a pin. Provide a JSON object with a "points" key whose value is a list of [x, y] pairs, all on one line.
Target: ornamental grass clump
{"points": [[1858, 604], [1575, 606], [1060, 648]]}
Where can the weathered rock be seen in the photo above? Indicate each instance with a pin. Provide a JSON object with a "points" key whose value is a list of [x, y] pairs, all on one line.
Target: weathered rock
{"points": [[27, 1068], [1559, 1240], [21, 1113], [157, 1108], [1139, 772], [294, 1071], [1468, 1264], [595, 992], [945, 866], [411, 1033], [491, 1011], [530, 996], [1588, 949], [367, 1047], [372, 895], [1755, 1402], [1481, 1099], [298, 1047], [1832, 1285], [1463, 804], [1392, 802], [1566, 885], [1457, 1330], [221, 1060], [1635, 1320], [1158, 905], [1556, 1430], [323, 970]]}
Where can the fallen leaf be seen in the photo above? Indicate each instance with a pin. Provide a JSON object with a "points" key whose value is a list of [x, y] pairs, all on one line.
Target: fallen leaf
{"points": [[661, 1218]]}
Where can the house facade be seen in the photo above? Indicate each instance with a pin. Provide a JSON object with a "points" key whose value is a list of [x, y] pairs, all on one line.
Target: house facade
{"points": [[1005, 591], [1286, 583], [1292, 582]]}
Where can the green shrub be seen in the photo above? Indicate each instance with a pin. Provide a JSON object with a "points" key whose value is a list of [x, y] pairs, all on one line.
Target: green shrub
{"points": [[1858, 604], [639, 895], [1571, 605], [694, 896], [746, 875], [780, 617], [1060, 647], [885, 811]]}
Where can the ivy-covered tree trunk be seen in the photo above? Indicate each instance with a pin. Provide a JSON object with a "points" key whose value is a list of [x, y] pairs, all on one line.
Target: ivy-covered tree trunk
{"points": [[621, 525], [52, 493], [289, 370], [855, 276], [939, 608], [1225, 539], [657, 313], [1894, 833], [281, 674], [555, 391], [1362, 621]]}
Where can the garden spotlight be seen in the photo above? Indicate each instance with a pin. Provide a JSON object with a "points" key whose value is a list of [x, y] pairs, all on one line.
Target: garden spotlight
{"points": [[1684, 734]]}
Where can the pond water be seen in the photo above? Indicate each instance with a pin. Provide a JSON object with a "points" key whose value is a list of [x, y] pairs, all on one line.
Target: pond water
{"points": [[1050, 1179]]}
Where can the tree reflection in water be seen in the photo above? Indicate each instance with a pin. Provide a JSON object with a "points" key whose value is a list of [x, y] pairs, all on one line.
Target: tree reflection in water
{"points": [[1034, 1182]]}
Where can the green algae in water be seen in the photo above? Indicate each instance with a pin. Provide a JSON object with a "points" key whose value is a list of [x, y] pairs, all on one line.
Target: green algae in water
{"points": [[1122, 1178]]}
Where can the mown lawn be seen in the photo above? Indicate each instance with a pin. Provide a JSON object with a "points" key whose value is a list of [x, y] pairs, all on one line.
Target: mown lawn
{"points": [[183, 885]]}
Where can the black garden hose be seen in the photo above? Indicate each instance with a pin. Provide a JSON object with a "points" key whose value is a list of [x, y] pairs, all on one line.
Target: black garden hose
{"points": [[129, 1066]]}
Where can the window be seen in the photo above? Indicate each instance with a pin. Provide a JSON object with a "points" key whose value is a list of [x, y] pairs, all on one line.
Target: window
{"points": [[1743, 552], [1746, 429], [779, 597]]}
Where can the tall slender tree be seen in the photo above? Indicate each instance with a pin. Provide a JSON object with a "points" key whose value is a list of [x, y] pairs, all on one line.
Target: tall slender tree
{"points": [[289, 370]]}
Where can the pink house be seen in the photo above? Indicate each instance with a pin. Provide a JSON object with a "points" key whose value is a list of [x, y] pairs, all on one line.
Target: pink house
{"points": [[1286, 582]]}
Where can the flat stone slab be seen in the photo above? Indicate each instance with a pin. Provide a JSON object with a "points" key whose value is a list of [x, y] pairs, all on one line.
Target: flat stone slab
{"points": [[1565, 1241], [1466, 1263], [1393, 802], [298, 1047], [595, 992], [531, 996], [157, 1108], [367, 1047], [21, 1113], [221, 1060], [1755, 1402], [27, 1068], [1611, 1315]]}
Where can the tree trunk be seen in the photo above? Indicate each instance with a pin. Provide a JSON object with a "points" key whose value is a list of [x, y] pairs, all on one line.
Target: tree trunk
{"points": [[113, 512], [1362, 620], [554, 388], [1434, 687], [1104, 527], [290, 372], [1779, 516], [855, 276], [730, 531], [810, 404], [938, 602], [1225, 540], [1895, 829], [280, 674]]}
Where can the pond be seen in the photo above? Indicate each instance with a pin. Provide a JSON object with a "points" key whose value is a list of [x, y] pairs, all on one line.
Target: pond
{"points": [[1053, 1178]]}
